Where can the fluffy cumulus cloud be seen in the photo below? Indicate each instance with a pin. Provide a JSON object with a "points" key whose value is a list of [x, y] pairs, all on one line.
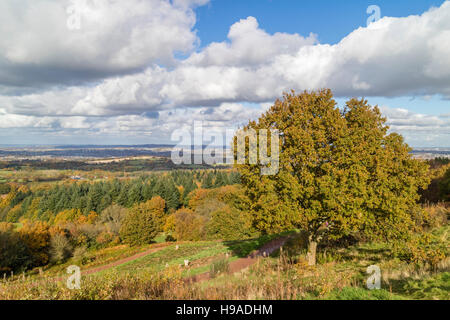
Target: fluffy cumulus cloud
{"points": [[66, 41], [141, 87]]}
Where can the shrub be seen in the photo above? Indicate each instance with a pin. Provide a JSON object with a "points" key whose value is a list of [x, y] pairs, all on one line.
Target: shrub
{"points": [[435, 216], [143, 222], [4, 188], [421, 250], [13, 253], [80, 255], [230, 224], [189, 226], [169, 225], [36, 237], [352, 293], [112, 218], [105, 237], [85, 234], [60, 248], [444, 186], [170, 238], [219, 267]]}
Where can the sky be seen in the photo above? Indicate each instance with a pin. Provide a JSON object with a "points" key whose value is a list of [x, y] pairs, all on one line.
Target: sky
{"points": [[136, 71]]}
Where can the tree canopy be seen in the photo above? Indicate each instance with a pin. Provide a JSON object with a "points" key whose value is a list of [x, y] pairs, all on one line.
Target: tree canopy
{"points": [[340, 172], [143, 222]]}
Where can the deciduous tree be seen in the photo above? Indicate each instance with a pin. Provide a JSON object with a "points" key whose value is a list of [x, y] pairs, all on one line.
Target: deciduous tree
{"points": [[340, 172], [143, 222]]}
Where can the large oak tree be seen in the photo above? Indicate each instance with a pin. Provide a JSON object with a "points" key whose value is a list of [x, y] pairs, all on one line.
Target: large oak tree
{"points": [[340, 172]]}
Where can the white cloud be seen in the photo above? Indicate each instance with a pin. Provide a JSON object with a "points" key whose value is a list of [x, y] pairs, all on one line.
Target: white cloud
{"points": [[40, 40], [249, 46], [394, 58], [391, 57], [417, 128]]}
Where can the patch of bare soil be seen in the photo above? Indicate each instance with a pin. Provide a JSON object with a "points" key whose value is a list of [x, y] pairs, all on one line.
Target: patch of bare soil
{"points": [[243, 263]]}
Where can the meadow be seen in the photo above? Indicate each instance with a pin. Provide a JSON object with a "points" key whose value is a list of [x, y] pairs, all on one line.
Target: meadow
{"points": [[339, 274]]}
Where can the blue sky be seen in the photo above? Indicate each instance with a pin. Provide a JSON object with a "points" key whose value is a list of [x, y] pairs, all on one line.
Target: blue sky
{"points": [[331, 20], [135, 71]]}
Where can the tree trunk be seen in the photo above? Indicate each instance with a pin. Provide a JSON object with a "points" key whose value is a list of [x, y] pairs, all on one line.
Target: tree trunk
{"points": [[312, 249]]}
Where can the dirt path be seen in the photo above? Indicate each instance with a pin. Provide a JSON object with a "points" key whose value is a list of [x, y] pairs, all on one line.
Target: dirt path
{"points": [[235, 266], [243, 263]]}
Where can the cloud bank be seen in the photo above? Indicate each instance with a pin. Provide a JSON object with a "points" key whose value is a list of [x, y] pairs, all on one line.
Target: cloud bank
{"points": [[122, 71]]}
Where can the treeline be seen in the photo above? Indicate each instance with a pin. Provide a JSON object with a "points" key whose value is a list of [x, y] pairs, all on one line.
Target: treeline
{"points": [[216, 213], [45, 203], [439, 188], [157, 164]]}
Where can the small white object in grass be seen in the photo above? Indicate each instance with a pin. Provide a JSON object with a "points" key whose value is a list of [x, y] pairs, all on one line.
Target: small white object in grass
{"points": [[186, 263], [177, 247], [167, 265], [227, 255]]}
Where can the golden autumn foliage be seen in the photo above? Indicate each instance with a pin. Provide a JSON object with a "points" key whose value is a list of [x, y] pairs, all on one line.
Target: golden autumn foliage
{"points": [[36, 237], [69, 215], [189, 226], [143, 222], [169, 225], [340, 172]]}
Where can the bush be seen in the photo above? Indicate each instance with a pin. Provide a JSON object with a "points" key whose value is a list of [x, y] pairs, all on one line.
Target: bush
{"points": [[105, 237], [435, 216], [112, 218], [444, 186], [36, 238], [421, 250], [85, 234], [170, 238], [352, 293], [60, 248], [230, 224], [80, 255], [4, 188], [143, 222], [189, 226], [13, 253], [219, 267]]}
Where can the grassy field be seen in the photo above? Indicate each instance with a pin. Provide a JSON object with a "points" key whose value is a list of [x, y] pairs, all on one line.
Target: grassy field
{"points": [[339, 275], [200, 255]]}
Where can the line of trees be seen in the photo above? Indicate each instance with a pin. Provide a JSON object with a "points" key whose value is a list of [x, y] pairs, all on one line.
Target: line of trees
{"points": [[46, 203], [217, 213]]}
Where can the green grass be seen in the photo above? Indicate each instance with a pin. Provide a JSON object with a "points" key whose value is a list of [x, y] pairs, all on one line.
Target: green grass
{"points": [[99, 257], [161, 238], [435, 287], [197, 253], [242, 248], [353, 293], [200, 255]]}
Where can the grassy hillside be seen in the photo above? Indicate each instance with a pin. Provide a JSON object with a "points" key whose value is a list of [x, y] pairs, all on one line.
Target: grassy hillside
{"points": [[340, 274]]}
